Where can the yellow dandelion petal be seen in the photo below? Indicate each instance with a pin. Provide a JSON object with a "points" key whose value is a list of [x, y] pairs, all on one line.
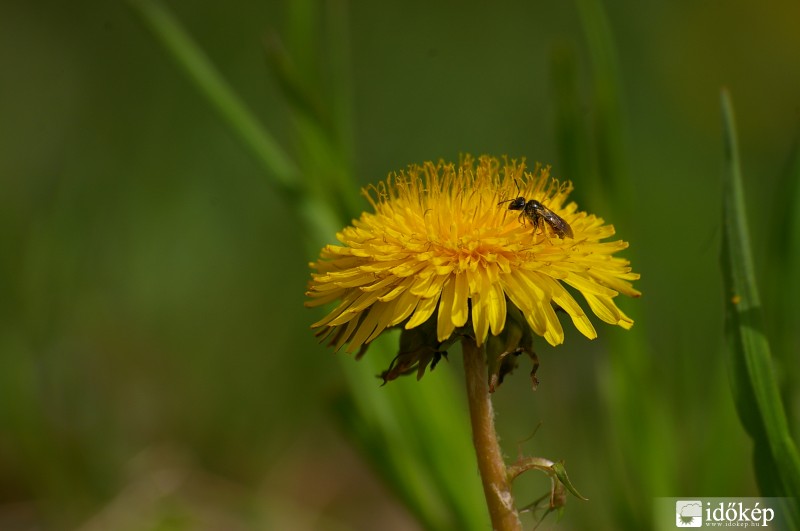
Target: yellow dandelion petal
{"points": [[379, 285], [463, 241], [445, 325], [423, 311], [585, 284], [553, 333], [496, 306], [460, 311], [520, 297], [604, 308], [624, 321], [541, 317], [396, 291], [367, 326], [480, 324], [323, 298], [404, 307], [344, 337], [383, 318], [425, 285], [565, 301]]}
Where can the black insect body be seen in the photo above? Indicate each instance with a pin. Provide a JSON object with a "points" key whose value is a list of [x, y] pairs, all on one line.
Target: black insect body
{"points": [[539, 214]]}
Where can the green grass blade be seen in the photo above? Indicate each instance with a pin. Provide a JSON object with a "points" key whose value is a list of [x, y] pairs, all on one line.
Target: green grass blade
{"points": [[441, 433], [572, 135], [320, 102], [341, 71], [410, 483], [753, 381], [640, 416], [417, 438], [321, 219], [214, 87], [609, 123], [303, 101], [792, 242], [414, 433], [784, 285]]}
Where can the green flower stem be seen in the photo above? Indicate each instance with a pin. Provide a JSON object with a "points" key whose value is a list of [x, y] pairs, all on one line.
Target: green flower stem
{"points": [[494, 475]]}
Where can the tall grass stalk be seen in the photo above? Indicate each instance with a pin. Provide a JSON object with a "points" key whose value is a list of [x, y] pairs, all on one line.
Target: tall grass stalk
{"points": [[414, 434], [753, 379]]}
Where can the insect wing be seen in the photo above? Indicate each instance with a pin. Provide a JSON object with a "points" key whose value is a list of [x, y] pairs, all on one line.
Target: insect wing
{"points": [[534, 211], [560, 227]]}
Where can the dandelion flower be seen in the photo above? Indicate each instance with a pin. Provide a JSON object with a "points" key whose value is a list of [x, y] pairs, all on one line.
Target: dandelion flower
{"points": [[443, 256]]}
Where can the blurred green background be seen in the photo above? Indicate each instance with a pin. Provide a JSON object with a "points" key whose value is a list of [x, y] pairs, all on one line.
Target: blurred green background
{"points": [[156, 366]]}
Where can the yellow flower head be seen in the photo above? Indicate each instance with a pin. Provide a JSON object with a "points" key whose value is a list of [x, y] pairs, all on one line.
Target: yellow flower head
{"points": [[443, 246]]}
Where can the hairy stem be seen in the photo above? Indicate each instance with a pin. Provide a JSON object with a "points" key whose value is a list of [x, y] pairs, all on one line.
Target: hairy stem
{"points": [[496, 483]]}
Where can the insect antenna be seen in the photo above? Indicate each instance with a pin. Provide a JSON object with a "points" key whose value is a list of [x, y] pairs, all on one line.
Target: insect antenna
{"points": [[516, 182]]}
